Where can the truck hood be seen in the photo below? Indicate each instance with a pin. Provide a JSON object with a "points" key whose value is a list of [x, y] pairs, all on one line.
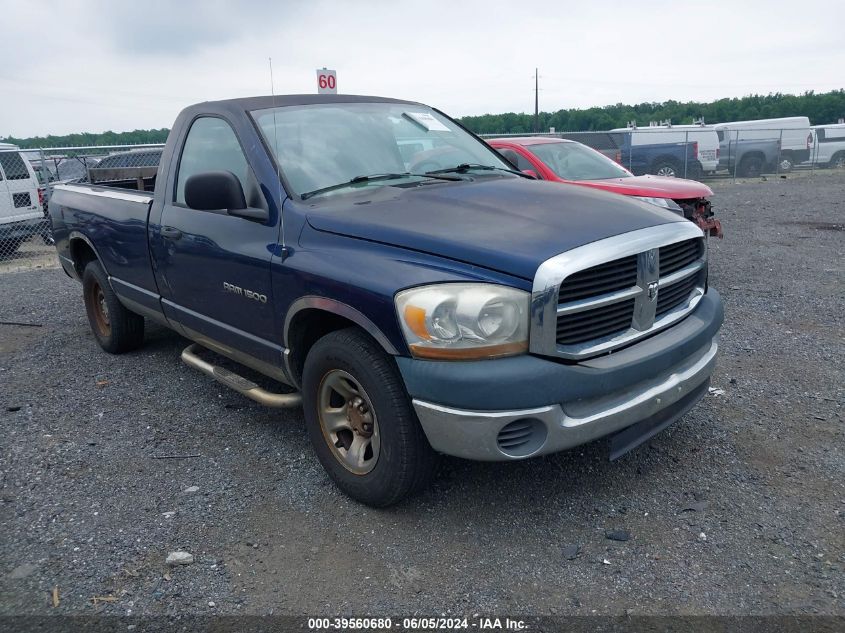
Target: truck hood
{"points": [[506, 224], [652, 187]]}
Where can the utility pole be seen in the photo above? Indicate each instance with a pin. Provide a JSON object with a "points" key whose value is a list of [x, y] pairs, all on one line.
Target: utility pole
{"points": [[536, 102]]}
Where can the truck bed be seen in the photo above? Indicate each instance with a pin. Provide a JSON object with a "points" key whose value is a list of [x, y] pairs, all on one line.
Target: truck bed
{"points": [[109, 215], [137, 178], [121, 191]]}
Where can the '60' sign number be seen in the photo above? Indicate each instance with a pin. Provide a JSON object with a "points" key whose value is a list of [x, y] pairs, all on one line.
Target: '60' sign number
{"points": [[326, 81]]}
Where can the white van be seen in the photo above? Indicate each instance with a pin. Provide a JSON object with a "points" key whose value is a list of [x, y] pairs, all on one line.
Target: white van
{"points": [[829, 145], [704, 138], [21, 211], [793, 133]]}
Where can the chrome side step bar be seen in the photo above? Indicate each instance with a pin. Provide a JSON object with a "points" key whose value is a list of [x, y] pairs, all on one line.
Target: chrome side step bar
{"points": [[239, 383]]}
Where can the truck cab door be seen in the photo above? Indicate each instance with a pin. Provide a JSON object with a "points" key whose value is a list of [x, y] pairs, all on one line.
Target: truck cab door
{"points": [[212, 268]]}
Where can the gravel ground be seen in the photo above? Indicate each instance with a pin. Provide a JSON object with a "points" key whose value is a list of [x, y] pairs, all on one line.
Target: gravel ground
{"points": [[31, 255], [738, 508]]}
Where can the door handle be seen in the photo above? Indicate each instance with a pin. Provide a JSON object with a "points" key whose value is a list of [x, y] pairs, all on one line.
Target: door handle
{"points": [[170, 233]]}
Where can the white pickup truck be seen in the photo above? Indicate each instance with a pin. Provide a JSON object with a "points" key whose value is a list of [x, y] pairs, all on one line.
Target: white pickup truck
{"points": [[829, 145]]}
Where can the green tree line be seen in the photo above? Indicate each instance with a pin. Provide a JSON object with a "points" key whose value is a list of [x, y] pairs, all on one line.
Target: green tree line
{"points": [[825, 107], [134, 137]]}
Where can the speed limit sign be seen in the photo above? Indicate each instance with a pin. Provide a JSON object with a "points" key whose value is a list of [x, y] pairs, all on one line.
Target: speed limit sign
{"points": [[326, 81]]}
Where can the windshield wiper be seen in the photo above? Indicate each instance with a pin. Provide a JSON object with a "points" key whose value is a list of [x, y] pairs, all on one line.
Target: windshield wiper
{"points": [[465, 167], [373, 178]]}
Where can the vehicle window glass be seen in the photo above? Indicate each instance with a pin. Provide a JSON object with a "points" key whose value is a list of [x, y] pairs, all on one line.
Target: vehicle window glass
{"points": [[573, 161], [13, 166], [326, 144], [523, 163], [211, 145]]}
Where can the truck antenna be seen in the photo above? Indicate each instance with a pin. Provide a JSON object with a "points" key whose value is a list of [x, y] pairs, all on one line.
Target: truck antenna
{"points": [[276, 158]]}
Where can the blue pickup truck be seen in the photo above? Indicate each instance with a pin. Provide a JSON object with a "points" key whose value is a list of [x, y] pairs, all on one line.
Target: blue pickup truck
{"points": [[675, 160], [418, 295]]}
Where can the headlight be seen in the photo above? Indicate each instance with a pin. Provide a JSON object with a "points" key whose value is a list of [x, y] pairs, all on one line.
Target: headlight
{"points": [[464, 321], [666, 203]]}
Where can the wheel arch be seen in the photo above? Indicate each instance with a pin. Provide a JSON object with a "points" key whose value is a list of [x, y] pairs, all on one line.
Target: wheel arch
{"points": [[666, 159], [836, 155], [82, 251], [310, 318], [754, 154]]}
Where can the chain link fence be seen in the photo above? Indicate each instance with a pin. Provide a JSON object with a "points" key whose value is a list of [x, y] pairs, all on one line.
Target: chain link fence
{"points": [[28, 178], [700, 152]]}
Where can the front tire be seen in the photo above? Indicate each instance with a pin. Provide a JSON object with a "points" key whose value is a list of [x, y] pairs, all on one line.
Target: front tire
{"points": [[838, 161], [116, 329], [360, 420], [694, 172]]}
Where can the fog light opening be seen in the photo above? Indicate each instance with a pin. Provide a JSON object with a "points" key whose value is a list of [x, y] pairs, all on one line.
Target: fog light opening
{"points": [[522, 437]]}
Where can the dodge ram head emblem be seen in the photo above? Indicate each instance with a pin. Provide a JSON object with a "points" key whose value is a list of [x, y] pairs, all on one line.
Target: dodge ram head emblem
{"points": [[652, 291]]}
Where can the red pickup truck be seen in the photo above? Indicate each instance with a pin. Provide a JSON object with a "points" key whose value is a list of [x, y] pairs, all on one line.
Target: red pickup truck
{"points": [[561, 160]]}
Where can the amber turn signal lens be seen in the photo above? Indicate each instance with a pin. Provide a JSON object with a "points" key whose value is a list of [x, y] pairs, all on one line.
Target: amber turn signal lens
{"points": [[469, 353], [415, 318]]}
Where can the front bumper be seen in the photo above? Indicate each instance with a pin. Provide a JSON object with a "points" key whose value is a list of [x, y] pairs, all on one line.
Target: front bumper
{"points": [[526, 406]]}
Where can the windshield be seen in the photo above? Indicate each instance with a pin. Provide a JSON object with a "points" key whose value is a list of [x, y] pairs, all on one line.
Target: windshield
{"points": [[323, 145], [573, 161]]}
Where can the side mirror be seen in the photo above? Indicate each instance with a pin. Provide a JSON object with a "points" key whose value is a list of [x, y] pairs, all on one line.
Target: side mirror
{"points": [[509, 155], [215, 190]]}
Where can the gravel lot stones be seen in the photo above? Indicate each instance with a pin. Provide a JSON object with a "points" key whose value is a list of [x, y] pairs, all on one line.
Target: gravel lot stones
{"points": [[766, 457], [617, 535], [179, 558]]}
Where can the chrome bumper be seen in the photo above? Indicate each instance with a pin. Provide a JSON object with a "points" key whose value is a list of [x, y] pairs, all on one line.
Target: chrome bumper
{"points": [[481, 435]]}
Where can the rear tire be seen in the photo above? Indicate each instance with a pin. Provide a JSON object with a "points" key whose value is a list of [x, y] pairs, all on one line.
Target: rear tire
{"points": [[838, 161], [116, 329], [785, 165], [666, 168], [751, 167], [361, 422]]}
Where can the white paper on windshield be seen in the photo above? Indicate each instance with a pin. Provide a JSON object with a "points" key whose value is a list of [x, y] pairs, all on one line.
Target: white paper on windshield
{"points": [[426, 120]]}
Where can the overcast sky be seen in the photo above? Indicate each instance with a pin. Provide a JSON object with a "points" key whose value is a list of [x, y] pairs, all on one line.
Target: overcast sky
{"points": [[73, 66]]}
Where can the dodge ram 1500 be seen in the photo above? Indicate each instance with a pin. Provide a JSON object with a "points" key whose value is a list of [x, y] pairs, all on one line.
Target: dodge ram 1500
{"points": [[417, 301]]}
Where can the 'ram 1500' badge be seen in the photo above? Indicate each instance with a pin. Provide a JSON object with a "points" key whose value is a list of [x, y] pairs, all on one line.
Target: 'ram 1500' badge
{"points": [[249, 294]]}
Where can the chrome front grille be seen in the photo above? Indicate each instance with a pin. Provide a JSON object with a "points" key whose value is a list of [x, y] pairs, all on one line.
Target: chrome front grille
{"points": [[610, 293], [678, 255], [609, 277], [673, 296], [589, 324]]}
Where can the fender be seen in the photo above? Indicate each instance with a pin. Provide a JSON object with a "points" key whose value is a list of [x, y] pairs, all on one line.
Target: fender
{"points": [[77, 235], [340, 309]]}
